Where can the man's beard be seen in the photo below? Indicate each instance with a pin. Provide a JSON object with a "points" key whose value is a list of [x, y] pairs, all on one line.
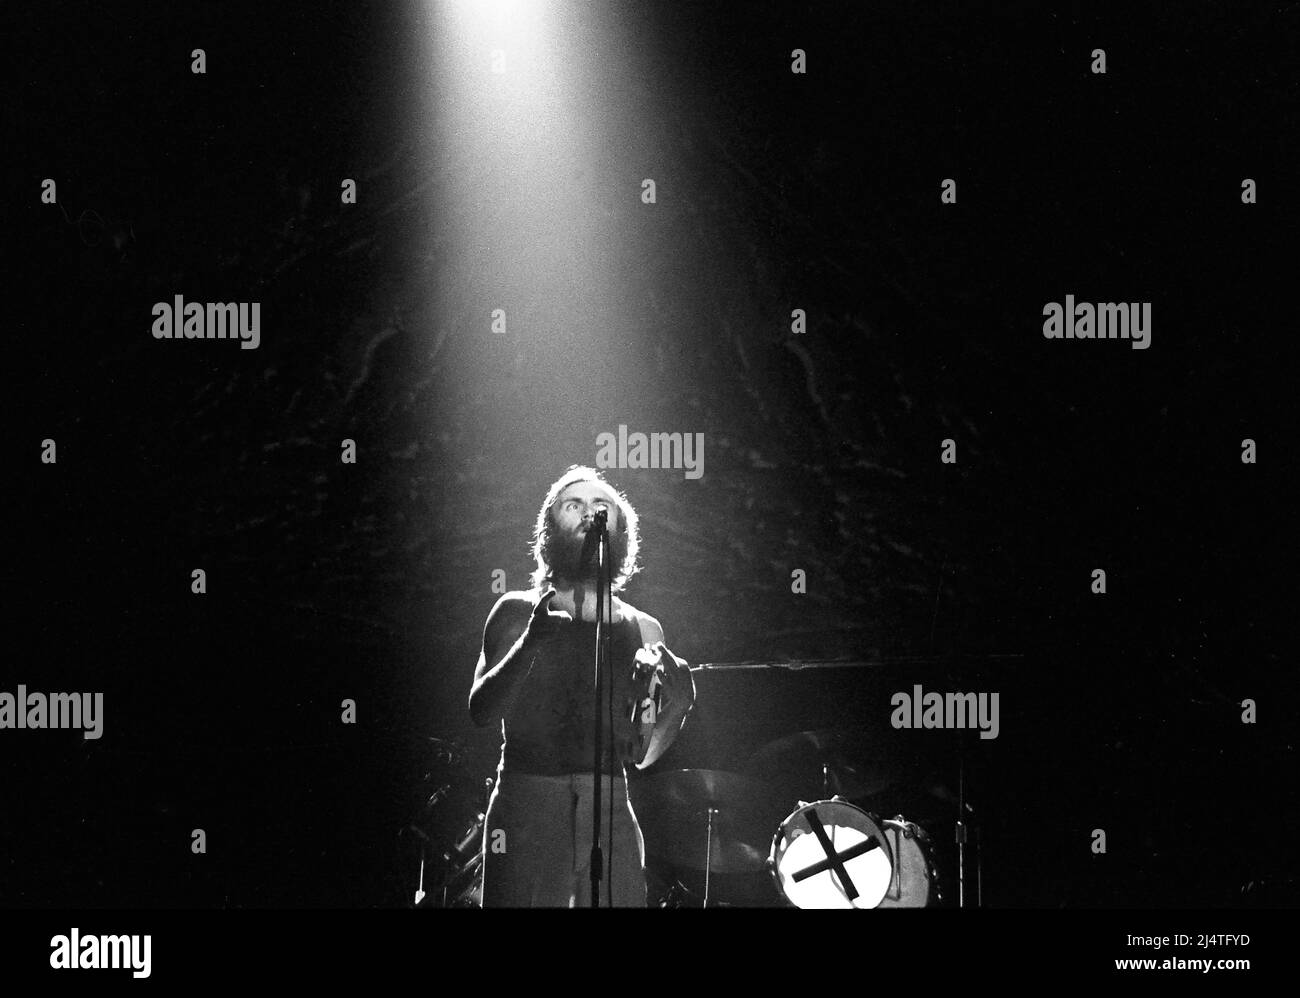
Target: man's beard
{"points": [[562, 552]]}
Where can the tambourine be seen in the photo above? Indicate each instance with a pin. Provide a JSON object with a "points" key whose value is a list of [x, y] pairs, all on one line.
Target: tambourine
{"points": [[642, 704]]}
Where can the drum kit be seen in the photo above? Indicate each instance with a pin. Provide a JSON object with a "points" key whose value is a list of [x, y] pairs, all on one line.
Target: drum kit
{"points": [[832, 852], [855, 814]]}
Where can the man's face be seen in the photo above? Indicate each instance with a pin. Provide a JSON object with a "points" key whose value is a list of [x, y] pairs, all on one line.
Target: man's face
{"points": [[578, 504], [573, 513]]}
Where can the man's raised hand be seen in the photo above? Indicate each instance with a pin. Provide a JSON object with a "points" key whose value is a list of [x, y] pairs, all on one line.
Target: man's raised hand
{"points": [[545, 623]]}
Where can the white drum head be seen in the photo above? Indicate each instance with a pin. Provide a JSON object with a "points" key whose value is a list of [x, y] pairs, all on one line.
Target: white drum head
{"points": [[851, 867]]}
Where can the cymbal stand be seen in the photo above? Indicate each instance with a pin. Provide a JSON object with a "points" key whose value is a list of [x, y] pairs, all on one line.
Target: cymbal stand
{"points": [[708, 853]]}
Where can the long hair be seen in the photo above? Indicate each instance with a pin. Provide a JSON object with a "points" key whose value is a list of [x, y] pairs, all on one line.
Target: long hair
{"points": [[624, 542]]}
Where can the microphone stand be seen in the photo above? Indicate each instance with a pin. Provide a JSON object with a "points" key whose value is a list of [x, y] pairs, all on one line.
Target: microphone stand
{"points": [[604, 599]]}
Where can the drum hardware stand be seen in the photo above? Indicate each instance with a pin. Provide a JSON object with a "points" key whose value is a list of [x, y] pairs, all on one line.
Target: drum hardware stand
{"points": [[436, 798], [454, 860], [961, 864], [962, 833], [708, 854], [961, 824], [418, 832]]}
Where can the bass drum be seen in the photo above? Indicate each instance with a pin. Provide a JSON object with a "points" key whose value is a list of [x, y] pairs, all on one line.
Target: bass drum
{"points": [[831, 854], [915, 880]]}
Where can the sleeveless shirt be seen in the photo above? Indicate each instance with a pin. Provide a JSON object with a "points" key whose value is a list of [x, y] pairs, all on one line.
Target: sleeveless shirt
{"points": [[549, 731]]}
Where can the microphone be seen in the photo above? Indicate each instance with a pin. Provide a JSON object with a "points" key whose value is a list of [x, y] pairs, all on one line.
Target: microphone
{"points": [[594, 533]]}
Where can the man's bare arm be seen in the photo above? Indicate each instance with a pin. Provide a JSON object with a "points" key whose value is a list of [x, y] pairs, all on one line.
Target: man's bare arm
{"points": [[514, 631]]}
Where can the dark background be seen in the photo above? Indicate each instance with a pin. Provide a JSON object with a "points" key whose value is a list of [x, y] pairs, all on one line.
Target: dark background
{"points": [[371, 581]]}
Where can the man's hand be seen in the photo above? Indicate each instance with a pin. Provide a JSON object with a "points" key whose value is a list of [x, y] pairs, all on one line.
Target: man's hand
{"points": [[677, 688], [676, 697], [545, 624]]}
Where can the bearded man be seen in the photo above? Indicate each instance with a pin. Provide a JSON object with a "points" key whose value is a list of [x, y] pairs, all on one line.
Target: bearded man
{"points": [[536, 674]]}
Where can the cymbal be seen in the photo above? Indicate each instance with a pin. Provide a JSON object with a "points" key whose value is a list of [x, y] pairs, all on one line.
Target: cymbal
{"points": [[673, 809], [929, 797], [858, 763], [701, 788]]}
